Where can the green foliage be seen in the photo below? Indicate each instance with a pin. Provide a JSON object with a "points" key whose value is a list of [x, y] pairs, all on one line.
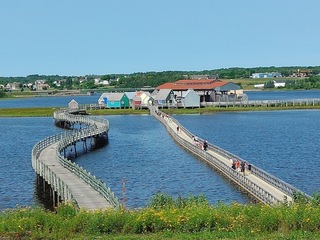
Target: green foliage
{"points": [[2, 94], [154, 79], [166, 216], [161, 200]]}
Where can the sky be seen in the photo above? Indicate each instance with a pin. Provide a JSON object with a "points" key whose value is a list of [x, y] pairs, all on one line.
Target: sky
{"points": [[97, 37]]}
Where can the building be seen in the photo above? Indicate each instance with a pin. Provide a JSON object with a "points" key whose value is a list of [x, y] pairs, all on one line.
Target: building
{"points": [[164, 98], [209, 90], [266, 75], [114, 100], [142, 100], [189, 99]]}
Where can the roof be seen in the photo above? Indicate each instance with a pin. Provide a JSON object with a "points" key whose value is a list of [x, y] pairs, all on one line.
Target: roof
{"points": [[202, 84], [163, 94], [115, 96], [130, 95]]}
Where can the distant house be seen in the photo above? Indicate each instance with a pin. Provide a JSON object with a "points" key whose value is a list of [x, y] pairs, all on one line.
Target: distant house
{"points": [[114, 100], [266, 75], [42, 86], [12, 86], [276, 84], [279, 84]]}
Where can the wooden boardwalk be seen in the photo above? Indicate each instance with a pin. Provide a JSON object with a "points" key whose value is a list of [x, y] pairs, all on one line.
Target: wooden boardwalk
{"points": [[67, 180], [258, 183], [85, 196]]}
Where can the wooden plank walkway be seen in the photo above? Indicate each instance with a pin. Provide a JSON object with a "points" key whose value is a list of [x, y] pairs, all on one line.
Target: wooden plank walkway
{"points": [[86, 197], [255, 179]]}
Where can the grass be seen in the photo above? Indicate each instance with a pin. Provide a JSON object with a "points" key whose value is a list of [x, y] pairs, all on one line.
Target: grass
{"points": [[27, 112], [166, 218], [48, 112]]}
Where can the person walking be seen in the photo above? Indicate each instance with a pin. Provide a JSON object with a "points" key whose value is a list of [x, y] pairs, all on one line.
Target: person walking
{"points": [[237, 164], [205, 145], [243, 166]]}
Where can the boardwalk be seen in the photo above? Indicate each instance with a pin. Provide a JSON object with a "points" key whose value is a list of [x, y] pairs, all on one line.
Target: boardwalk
{"points": [[85, 196], [67, 180], [258, 183]]}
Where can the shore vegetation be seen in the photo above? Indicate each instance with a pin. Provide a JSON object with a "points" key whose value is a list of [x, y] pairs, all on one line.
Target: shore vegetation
{"points": [[165, 217], [48, 112]]}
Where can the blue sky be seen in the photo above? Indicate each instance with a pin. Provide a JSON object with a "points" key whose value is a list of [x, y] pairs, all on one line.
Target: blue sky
{"points": [[78, 37]]}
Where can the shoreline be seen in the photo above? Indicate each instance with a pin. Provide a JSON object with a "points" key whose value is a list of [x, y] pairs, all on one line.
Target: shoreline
{"points": [[48, 111]]}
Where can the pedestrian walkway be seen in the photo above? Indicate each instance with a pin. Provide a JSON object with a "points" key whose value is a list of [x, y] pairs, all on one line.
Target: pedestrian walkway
{"points": [[267, 189]]}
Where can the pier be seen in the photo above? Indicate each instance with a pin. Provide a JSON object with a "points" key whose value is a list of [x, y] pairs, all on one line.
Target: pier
{"points": [[259, 184], [68, 181]]}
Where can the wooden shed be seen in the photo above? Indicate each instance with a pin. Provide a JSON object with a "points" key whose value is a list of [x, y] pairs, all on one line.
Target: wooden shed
{"points": [[190, 99], [165, 98]]}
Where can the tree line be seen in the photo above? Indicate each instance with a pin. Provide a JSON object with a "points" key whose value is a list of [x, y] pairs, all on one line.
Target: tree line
{"points": [[154, 79]]}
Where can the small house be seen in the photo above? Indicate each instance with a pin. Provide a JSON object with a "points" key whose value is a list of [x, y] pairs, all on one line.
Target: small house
{"points": [[117, 100], [103, 98], [142, 100], [189, 99], [165, 98]]}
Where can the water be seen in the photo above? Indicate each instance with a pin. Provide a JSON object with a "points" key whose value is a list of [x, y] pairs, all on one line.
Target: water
{"points": [[284, 143], [17, 178], [282, 95], [50, 101]]}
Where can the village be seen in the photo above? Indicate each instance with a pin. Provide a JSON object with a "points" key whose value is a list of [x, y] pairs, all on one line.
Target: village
{"points": [[181, 94]]}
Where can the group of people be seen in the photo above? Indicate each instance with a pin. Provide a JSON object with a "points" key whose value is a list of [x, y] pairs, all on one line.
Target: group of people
{"points": [[203, 145], [240, 165]]}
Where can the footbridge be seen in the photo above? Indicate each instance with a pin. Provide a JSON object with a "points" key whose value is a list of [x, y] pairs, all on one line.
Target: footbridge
{"points": [[68, 181], [259, 184]]}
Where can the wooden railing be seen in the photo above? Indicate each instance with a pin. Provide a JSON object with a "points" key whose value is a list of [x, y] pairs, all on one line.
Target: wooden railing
{"points": [[265, 103], [262, 194], [94, 127]]}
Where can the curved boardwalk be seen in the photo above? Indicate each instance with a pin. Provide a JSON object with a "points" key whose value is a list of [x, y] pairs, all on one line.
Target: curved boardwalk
{"points": [[68, 181], [261, 185]]}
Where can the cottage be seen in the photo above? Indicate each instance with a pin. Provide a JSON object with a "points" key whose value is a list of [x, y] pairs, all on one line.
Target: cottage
{"points": [[131, 95], [114, 100], [165, 98], [73, 104], [142, 99], [189, 99]]}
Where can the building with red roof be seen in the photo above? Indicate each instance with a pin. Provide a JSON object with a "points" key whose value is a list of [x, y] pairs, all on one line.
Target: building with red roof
{"points": [[209, 90]]}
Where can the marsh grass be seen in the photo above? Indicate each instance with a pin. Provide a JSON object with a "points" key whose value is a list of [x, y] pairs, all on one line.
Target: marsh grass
{"points": [[166, 218], [48, 112], [27, 112]]}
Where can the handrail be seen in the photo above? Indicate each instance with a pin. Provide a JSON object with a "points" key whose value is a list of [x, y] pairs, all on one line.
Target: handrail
{"points": [[94, 127], [247, 184]]}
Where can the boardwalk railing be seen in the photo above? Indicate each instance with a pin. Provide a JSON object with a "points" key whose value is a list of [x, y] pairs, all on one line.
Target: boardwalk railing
{"points": [[265, 103], [94, 127], [258, 192]]}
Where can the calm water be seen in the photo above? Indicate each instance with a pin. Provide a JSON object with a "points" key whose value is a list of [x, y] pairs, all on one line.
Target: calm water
{"points": [[285, 143], [52, 101], [282, 95]]}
